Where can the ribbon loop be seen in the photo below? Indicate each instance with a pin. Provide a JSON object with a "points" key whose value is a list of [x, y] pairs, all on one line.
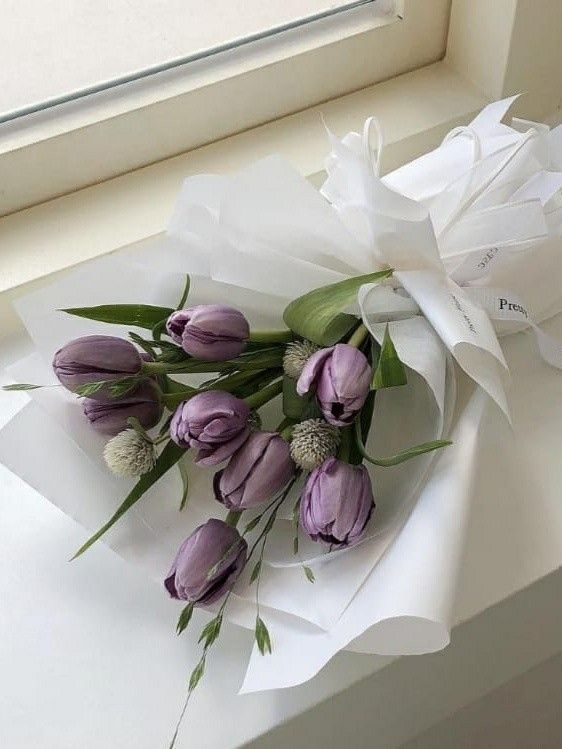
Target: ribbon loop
{"points": [[471, 134], [373, 160]]}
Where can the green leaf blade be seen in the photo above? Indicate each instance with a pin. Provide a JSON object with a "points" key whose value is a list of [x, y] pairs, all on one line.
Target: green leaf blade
{"points": [[403, 455], [185, 484], [185, 618], [89, 388], [263, 639], [411, 452], [196, 674], [20, 386], [389, 372], [309, 574], [255, 572], [211, 631], [317, 316], [167, 458], [137, 315], [252, 524], [298, 407]]}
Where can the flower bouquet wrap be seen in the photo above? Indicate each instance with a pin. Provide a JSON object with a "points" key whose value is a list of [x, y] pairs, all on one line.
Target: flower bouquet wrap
{"points": [[277, 414]]}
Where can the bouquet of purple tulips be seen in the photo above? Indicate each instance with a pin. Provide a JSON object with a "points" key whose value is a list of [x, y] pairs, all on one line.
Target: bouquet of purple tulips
{"points": [[401, 280], [326, 369]]}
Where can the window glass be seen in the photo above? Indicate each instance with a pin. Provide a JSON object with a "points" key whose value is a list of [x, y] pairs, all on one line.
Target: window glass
{"points": [[57, 50]]}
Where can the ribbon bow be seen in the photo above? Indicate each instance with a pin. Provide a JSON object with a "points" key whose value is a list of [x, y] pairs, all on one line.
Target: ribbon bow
{"points": [[444, 236]]}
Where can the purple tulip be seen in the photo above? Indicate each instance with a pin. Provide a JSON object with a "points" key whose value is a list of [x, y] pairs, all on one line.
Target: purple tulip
{"points": [[213, 332], [207, 564], [336, 503], [110, 417], [214, 423], [255, 473], [341, 376], [93, 358]]}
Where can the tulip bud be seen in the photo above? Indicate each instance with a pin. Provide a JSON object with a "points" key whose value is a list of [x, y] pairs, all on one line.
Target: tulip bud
{"points": [[214, 423], [207, 564], [336, 503], [95, 358], [110, 416], [341, 376], [212, 332], [255, 473]]}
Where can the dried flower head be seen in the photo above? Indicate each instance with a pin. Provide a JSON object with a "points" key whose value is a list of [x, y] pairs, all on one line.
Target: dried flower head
{"points": [[312, 442], [297, 354], [129, 454]]}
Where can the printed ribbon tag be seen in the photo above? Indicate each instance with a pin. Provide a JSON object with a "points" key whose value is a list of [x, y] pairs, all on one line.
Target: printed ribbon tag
{"points": [[502, 305]]}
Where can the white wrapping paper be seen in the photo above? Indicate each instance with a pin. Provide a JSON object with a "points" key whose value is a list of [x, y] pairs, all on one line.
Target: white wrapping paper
{"points": [[480, 212]]}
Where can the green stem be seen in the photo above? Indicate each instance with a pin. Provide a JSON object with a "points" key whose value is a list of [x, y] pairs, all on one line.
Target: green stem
{"points": [[162, 438], [287, 432], [230, 383], [345, 445], [233, 517], [276, 504], [402, 456], [259, 399], [358, 336], [271, 336], [266, 359], [242, 381], [286, 427]]}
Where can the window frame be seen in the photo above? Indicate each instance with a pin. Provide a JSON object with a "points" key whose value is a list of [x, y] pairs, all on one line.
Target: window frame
{"points": [[484, 61], [66, 148]]}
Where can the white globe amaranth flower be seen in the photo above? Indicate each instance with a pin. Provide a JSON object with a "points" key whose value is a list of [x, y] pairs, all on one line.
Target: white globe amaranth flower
{"points": [[312, 442], [129, 454], [296, 355]]}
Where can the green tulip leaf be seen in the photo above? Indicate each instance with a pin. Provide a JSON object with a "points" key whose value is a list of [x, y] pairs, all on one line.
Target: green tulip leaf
{"points": [[167, 458], [137, 315], [317, 316], [389, 372], [298, 407]]}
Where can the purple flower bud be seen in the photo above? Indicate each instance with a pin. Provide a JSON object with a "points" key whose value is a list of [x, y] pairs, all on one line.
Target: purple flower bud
{"points": [[93, 358], [255, 473], [110, 417], [214, 423], [213, 332], [336, 503], [342, 378], [207, 564]]}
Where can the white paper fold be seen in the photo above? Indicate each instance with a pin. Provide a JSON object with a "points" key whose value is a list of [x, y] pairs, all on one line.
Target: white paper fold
{"points": [[403, 608], [479, 214]]}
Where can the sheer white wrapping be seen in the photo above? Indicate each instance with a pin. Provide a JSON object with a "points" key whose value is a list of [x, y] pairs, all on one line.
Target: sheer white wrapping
{"points": [[477, 215]]}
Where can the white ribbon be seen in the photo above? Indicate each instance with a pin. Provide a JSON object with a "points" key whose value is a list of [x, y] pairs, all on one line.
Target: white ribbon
{"points": [[505, 306], [456, 236]]}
